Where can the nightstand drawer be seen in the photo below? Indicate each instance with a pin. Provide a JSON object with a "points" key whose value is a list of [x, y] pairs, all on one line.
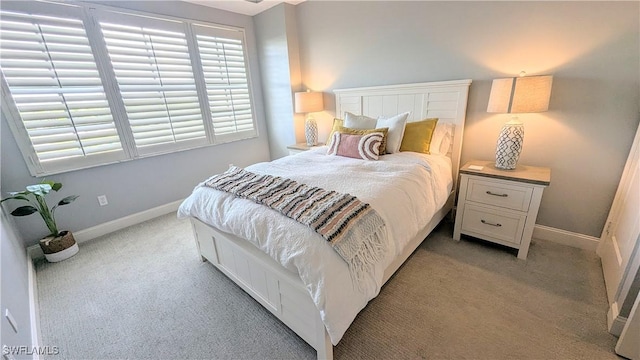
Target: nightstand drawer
{"points": [[500, 225], [499, 194]]}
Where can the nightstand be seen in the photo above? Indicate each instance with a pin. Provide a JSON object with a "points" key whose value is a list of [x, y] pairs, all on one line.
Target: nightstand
{"points": [[300, 147], [500, 206]]}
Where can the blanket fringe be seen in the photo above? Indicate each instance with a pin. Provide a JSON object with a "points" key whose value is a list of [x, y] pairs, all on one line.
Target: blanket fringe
{"points": [[362, 262]]}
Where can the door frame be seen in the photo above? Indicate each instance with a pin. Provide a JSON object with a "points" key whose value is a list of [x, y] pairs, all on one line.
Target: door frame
{"points": [[630, 279]]}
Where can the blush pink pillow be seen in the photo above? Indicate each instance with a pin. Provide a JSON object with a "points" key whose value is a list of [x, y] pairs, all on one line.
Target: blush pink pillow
{"points": [[365, 147]]}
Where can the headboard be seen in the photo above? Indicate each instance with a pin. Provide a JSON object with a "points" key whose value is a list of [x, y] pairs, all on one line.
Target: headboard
{"points": [[445, 100]]}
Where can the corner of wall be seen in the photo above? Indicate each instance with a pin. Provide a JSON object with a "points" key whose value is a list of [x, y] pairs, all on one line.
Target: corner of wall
{"points": [[277, 45]]}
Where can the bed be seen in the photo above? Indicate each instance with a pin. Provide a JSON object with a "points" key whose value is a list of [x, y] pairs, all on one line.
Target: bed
{"points": [[302, 280]]}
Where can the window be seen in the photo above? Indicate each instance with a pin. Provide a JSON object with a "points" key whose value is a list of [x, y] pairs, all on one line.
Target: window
{"points": [[57, 93], [222, 58], [153, 70], [84, 87]]}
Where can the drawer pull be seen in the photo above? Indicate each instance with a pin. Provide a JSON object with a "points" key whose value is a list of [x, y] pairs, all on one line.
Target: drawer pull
{"points": [[492, 224], [494, 194]]}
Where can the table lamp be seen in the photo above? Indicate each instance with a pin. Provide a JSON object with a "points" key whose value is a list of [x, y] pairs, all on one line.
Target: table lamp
{"points": [[309, 102], [525, 94]]}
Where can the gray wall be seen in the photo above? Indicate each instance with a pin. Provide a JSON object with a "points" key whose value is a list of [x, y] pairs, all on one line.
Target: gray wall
{"points": [[142, 184], [14, 294], [280, 69], [591, 48]]}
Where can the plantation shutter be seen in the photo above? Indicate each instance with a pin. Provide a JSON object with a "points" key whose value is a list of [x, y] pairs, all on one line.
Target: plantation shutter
{"points": [[153, 70], [223, 60], [51, 74], [86, 85]]}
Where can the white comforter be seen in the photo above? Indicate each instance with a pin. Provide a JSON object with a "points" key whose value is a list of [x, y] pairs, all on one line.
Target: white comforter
{"points": [[406, 189]]}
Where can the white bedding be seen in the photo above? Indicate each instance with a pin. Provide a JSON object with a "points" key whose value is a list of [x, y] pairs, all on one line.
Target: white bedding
{"points": [[405, 188]]}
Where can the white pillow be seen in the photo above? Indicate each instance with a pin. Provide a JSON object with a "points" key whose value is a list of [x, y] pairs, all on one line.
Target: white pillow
{"points": [[362, 122], [396, 126], [442, 139]]}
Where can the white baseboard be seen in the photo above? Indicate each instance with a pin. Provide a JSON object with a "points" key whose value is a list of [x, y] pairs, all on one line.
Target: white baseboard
{"points": [[565, 237], [35, 252], [615, 322], [95, 231], [33, 307]]}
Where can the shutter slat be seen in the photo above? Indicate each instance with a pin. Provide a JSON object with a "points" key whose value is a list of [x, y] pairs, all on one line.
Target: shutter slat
{"points": [[35, 64], [48, 72], [116, 59], [57, 112], [148, 101], [61, 130], [138, 34], [70, 146], [155, 140], [50, 139], [132, 89], [43, 106], [72, 150], [162, 67]]}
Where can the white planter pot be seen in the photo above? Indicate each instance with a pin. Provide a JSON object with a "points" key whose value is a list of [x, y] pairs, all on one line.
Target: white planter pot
{"points": [[60, 247], [63, 255]]}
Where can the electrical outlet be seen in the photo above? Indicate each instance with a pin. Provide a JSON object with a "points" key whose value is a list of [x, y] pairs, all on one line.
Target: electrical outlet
{"points": [[102, 200], [11, 320]]}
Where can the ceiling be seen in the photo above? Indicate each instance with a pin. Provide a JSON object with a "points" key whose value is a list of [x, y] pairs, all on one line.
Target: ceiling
{"points": [[242, 6]]}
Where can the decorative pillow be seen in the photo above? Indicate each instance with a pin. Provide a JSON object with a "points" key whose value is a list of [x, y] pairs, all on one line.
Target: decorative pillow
{"points": [[365, 147], [442, 138], [417, 136], [396, 126], [337, 123], [359, 121], [384, 131]]}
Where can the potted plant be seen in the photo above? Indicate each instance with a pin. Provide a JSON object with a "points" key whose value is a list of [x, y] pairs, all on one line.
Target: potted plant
{"points": [[58, 245]]}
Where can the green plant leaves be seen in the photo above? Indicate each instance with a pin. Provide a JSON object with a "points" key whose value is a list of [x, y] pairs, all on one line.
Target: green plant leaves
{"points": [[16, 197], [24, 211], [55, 186], [14, 193], [39, 189], [37, 199], [68, 200]]}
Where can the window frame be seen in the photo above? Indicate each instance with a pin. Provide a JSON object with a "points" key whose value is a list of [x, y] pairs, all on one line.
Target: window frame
{"points": [[90, 15]]}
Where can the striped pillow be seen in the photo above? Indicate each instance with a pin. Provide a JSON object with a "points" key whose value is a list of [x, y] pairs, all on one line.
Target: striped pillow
{"points": [[365, 147]]}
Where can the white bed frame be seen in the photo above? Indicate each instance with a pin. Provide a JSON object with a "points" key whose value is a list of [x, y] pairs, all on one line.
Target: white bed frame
{"points": [[281, 291]]}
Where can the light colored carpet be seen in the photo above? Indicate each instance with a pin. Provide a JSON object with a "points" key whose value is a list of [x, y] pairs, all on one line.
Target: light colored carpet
{"points": [[143, 293]]}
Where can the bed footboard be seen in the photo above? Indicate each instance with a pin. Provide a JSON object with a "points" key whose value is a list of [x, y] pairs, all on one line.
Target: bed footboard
{"points": [[278, 290]]}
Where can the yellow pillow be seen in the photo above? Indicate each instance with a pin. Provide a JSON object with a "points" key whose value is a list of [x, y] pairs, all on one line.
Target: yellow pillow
{"points": [[337, 123], [383, 146], [417, 136]]}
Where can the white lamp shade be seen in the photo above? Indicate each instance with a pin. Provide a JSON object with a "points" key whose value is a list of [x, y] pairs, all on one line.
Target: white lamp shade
{"points": [[524, 95], [307, 102], [500, 95]]}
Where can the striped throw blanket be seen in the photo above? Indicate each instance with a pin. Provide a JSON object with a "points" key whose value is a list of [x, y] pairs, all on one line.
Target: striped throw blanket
{"points": [[352, 227]]}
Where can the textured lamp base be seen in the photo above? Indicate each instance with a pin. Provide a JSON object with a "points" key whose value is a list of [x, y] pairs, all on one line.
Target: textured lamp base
{"points": [[509, 145], [311, 131]]}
